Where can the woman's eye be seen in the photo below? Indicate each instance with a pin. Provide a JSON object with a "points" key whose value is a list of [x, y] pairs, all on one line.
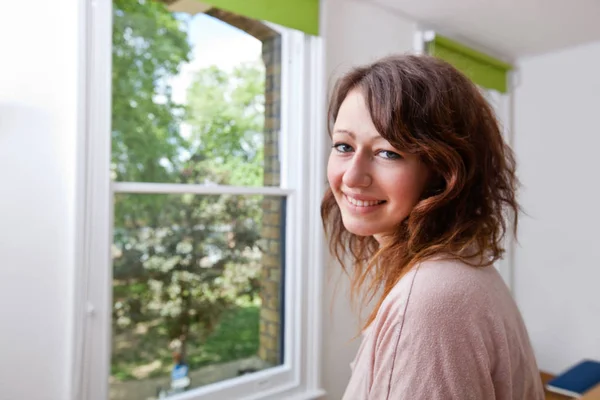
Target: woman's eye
{"points": [[390, 155], [342, 147]]}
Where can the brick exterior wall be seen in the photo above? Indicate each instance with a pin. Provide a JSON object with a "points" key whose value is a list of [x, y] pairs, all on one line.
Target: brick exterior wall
{"points": [[272, 261], [271, 323]]}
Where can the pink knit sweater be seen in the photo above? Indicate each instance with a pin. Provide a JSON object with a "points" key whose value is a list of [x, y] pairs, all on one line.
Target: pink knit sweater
{"points": [[446, 331]]}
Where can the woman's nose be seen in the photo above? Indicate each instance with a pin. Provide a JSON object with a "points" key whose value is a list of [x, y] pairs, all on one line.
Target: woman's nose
{"points": [[358, 173]]}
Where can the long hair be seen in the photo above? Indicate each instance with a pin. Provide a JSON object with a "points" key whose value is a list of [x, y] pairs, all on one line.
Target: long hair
{"points": [[424, 106]]}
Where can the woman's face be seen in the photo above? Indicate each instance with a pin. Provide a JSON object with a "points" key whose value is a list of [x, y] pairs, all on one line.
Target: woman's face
{"points": [[375, 185]]}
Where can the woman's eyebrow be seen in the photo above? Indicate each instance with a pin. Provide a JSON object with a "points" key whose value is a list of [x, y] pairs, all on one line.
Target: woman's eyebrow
{"points": [[345, 132], [373, 138]]}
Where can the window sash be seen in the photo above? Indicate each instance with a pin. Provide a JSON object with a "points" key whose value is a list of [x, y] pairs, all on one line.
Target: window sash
{"points": [[503, 108], [181, 188], [302, 148], [274, 380]]}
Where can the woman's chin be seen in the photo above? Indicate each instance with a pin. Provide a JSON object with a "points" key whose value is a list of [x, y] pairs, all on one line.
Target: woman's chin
{"points": [[359, 229]]}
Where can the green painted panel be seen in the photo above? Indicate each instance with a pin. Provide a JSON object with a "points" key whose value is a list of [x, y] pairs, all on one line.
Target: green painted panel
{"points": [[302, 15], [482, 69]]}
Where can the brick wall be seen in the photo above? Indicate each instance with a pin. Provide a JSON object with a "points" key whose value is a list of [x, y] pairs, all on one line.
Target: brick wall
{"points": [[271, 322], [272, 262]]}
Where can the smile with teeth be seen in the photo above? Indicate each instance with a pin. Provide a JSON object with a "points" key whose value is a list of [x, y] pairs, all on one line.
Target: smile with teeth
{"points": [[364, 203]]}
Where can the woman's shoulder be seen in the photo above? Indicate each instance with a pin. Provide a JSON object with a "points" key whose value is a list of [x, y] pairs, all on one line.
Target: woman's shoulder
{"points": [[443, 288], [454, 277]]}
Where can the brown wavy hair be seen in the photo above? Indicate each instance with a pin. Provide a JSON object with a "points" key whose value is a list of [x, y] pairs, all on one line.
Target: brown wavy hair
{"points": [[422, 105]]}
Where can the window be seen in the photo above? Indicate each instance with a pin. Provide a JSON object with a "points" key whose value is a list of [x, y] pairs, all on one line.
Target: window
{"points": [[502, 105], [202, 176], [493, 78]]}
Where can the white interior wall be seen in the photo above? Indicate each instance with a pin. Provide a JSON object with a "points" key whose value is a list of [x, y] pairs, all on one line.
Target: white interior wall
{"points": [[355, 33], [38, 129], [556, 269]]}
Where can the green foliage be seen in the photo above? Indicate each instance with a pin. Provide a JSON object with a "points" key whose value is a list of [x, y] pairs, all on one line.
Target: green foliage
{"points": [[227, 112], [181, 262], [149, 47], [234, 338], [183, 270]]}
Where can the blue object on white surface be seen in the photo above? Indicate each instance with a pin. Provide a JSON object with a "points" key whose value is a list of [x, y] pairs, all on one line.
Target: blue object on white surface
{"points": [[576, 380]]}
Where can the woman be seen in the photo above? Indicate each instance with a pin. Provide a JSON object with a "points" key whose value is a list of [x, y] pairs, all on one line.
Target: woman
{"points": [[421, 186]]}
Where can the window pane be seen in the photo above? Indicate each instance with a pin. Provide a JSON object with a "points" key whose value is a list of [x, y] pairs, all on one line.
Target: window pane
{"points": [[194, 88], [197, 290]]}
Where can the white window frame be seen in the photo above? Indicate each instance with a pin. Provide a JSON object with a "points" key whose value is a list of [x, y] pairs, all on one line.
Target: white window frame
{"points": [[302, 127], [502, 104]]}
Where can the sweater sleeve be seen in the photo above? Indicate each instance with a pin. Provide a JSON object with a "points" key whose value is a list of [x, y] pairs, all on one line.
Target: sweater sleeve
{"points": [[431, 349]]}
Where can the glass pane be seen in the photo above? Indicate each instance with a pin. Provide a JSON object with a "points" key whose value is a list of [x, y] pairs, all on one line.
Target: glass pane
{"points": [[194, 90], [197, 293]]}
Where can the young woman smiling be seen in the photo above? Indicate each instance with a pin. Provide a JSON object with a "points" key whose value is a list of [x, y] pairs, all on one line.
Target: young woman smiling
{"points": [[421, 184]]}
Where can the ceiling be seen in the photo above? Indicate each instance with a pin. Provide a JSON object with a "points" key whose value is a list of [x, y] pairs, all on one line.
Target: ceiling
{"points": [[507, 28]]}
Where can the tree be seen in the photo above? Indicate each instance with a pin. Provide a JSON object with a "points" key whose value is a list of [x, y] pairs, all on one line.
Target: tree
{"points": [[226, 112], [181, 261], [149, 47]]}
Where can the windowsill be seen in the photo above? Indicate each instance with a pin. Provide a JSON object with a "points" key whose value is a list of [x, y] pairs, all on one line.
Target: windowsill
{"points": [[290, 394], [311, 395]]}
